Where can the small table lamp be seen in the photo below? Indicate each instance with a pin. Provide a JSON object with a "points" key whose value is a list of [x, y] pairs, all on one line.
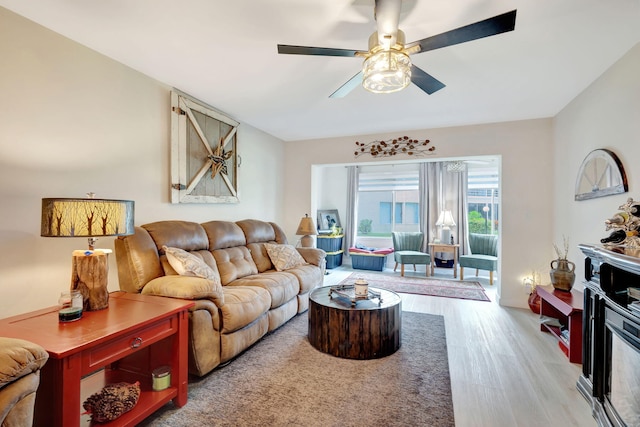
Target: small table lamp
{"points": [[445, 220], [91, 218], [306, 229]]}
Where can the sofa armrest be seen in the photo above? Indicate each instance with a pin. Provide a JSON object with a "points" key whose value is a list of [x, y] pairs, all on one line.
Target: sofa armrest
{"points": [[313, 256], [186, 287], [19, 358]]}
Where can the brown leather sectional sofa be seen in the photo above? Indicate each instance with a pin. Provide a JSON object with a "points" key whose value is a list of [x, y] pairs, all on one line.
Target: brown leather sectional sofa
{"points": [[251, 297]]}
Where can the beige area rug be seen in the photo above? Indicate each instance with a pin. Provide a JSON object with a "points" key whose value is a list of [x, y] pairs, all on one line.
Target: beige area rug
{"points": [[413, 285], [283, 381]]}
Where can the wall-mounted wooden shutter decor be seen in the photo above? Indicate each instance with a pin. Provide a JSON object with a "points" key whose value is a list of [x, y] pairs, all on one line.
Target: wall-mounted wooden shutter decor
{"points": [[204, 153]]}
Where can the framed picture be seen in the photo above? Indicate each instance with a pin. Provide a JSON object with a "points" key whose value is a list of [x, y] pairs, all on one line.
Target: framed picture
{"points": [[328, 219]]}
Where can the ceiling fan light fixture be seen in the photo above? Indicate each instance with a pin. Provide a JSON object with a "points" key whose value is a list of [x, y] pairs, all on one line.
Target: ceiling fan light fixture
{"points": [[386, 71]]}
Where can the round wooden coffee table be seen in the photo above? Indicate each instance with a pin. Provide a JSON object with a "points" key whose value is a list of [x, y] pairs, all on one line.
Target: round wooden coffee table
{"points": [[368, 329]]}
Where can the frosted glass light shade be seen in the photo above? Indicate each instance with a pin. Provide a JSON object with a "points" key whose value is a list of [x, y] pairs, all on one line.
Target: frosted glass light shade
{"points": [[386, 71]]}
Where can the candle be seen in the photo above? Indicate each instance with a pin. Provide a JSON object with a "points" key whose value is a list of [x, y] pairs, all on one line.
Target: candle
{"points": [[161, 378], [361, 288]]}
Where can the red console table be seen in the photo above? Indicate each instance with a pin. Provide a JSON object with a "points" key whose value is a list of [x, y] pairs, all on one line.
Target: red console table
{"points": [[567, 308], [122, 343]]}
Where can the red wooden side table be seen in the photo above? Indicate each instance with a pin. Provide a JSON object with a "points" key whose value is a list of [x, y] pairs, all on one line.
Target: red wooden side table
{"points": [[567, 308], [124, 342]]}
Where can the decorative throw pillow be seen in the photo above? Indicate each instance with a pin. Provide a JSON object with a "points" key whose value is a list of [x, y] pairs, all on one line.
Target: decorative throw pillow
{"points": [[186, 264], [284, 257]]}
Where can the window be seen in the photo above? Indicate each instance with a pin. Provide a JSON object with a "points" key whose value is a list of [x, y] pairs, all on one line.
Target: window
{"points": [[482, 199], [385, 212], [388, 200], [412, 212]]}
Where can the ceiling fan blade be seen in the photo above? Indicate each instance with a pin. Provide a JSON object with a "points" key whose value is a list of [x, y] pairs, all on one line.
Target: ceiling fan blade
{"points": [[351, 84], [425, 81], [321, 51], [489, 27]]}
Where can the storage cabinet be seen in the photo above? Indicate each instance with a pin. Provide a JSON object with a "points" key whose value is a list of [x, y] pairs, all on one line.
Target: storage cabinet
{"points": [[332, 245]]}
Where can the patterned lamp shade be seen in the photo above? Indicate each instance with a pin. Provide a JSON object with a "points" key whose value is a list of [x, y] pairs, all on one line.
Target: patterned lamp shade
{"points": [[89, 217]]}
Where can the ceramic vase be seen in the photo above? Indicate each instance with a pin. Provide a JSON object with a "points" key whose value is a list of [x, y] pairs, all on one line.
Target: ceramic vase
{"points": [[562, 274], [534, 301]]}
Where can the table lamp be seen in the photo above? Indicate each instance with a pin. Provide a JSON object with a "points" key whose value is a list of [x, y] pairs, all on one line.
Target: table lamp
{"points": [[306, 229], [91, 218], [445, 220]]}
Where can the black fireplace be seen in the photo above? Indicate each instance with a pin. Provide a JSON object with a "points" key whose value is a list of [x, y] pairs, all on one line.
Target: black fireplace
{"points": [[610, 378]]}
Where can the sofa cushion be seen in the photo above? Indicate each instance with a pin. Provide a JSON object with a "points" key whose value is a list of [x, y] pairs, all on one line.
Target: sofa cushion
{"points": [[260, 256], [186, 287], [186, 264], [481, 262], [256, 231], [284, 257], [224, 234], [186, 235], [313, 256], [19, 358], [309, 277], [138, 260], [282, 286], [234, 263], [242, 306]]}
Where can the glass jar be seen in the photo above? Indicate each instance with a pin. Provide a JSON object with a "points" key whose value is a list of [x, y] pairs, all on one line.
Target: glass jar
{"points": [[70, 306], [161, 378]]}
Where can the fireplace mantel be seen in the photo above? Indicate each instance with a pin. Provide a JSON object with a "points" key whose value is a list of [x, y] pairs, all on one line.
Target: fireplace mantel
{"points": [[611, 330]]}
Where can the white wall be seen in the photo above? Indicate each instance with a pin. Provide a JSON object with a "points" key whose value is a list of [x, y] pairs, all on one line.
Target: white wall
{"points": [[527, 185], [74, 121], [605, 115]]}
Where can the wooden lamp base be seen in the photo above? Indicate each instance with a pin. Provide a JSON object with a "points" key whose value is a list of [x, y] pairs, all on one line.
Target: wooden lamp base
{"points": [[89, 276]]}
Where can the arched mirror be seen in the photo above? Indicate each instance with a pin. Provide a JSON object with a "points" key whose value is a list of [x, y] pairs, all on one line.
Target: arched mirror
{"points": [[601, 174]]}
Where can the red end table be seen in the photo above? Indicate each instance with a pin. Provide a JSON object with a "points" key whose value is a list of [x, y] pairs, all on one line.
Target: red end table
{"points": [[124, 342]]}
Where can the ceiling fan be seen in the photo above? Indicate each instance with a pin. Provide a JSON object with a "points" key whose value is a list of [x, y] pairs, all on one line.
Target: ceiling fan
{"points": [[387, 67]]}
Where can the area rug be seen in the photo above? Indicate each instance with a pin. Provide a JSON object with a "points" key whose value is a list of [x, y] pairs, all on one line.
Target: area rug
{"points": [[284, 381], [432, 287]]}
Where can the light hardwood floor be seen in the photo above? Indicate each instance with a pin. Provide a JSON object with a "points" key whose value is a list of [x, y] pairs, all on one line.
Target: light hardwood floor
{"points": [[504, 370]]}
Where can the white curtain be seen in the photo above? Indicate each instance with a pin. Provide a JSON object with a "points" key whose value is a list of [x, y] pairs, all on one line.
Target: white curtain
{"points": [[440, 190], [350, 227], [428, 187], [455, 185]]}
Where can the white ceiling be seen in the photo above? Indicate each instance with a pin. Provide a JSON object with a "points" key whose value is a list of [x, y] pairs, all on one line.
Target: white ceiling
{"points": [[224, 53]]}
